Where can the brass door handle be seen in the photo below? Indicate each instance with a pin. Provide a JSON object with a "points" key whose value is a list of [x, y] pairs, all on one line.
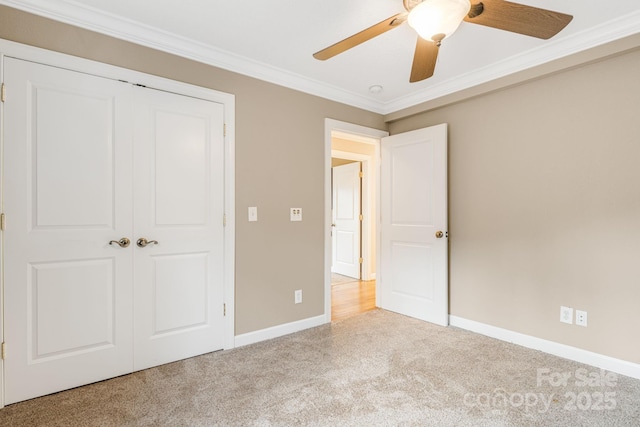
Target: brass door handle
{"points": [[123, 243], [142, 242], [439, 234]]}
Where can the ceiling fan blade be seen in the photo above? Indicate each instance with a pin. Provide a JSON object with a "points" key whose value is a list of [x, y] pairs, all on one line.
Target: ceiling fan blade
{"points": [[361, 37], [518, 18], [424, 60]]}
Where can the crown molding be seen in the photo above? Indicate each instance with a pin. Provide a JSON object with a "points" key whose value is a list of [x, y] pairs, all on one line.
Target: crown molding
{"points": [[108, 24], [94, 20]]}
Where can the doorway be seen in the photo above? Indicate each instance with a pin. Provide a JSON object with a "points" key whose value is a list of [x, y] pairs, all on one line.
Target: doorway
{"points": [[353, 293], [351, 296]]}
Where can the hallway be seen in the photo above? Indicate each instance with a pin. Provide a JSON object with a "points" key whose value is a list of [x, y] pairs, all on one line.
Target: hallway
{"points": [[351, 296]]}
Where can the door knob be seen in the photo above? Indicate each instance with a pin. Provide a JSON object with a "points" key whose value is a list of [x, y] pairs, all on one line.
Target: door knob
{"points": [[123, 243], [439, 234], [142, 242]]}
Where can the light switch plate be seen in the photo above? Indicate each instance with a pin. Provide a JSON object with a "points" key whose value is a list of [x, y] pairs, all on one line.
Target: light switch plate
{"points": [[296, 214], [253, 213]]}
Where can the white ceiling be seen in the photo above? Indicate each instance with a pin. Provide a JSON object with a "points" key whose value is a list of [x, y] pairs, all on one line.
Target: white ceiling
{"points": [[274, 40]]}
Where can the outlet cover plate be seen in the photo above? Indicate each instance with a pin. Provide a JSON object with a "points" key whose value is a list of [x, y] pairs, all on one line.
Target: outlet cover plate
{"points": [[297, 296], [566, 315], [581, 318]]}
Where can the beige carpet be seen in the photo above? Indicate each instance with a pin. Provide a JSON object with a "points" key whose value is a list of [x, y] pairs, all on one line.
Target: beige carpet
{"points": [[375, 369]]}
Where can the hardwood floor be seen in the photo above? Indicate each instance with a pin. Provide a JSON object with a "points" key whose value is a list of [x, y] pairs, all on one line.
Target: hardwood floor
{"points": [[349, 298]]}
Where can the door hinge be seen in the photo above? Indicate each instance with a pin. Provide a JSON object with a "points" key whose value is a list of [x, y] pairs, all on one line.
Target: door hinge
{"points": [[361, 260], [3, 93], [224, 129], [361, 217], [361, 174], [3, 221], [224, 220], [224, 309], [4, 351]]}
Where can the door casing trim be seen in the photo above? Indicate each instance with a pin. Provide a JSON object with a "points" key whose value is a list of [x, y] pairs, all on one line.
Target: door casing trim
{"points": [[358, 133]]}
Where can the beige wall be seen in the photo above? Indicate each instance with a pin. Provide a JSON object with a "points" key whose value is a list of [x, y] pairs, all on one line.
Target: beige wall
{"points": [[274, 256], [353, 146], [544, 205], [340, 162]]}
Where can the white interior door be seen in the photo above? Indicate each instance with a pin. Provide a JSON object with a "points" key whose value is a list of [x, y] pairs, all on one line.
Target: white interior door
{"points": [[346, 220], [412, 276], [178, 201], [67, 188]]}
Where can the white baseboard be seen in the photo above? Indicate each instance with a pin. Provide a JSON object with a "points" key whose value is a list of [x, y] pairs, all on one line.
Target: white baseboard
{"points": [[597, 360], [278, 331]]}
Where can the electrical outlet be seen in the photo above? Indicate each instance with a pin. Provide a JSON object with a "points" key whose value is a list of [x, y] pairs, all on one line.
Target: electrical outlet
{"points": [[297, 296], [566, 315], [581, 318]]}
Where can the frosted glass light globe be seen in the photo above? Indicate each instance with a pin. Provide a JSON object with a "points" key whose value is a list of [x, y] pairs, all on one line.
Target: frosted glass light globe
{"points": [[438, 19]]}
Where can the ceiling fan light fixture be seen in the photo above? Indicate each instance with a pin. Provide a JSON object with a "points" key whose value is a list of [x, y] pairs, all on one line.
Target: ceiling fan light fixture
{"points": [[434, 18]]}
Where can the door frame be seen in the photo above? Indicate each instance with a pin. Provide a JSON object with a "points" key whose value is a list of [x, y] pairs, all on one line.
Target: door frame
{"points": [[61, 60], [345, 130]]}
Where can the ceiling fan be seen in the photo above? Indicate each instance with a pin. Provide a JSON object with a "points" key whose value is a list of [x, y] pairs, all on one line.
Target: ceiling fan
{"points": [[435, 20]]}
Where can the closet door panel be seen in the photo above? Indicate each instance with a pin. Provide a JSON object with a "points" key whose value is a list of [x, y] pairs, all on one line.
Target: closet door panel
{"points": [[178, 203], [67, 194]]}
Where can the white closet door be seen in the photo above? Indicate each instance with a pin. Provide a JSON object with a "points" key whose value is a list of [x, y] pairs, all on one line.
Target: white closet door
{"points": [[78, 174], [67, 183], [178, 202]]}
